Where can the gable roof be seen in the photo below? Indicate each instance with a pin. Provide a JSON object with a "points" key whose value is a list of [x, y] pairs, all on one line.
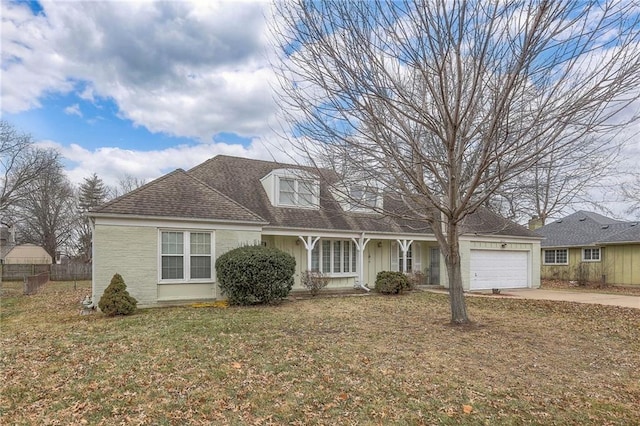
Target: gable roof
{"points": [[229, 189], [584, 228], [239, 179], [178, 195]]}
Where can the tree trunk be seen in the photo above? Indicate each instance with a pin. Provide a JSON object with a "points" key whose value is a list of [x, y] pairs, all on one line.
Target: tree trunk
{"points": [[454, 270]]}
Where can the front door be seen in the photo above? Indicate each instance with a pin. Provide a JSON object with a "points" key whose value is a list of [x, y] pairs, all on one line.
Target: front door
{"points": [[434, 266]]}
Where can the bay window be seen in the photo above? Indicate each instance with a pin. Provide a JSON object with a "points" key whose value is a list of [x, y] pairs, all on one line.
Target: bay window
{"points": [[334, 257]]}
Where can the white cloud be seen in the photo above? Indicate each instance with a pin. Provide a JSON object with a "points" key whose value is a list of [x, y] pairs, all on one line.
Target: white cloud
{"points": [[112, 163], [73, 110], [184, 68]]}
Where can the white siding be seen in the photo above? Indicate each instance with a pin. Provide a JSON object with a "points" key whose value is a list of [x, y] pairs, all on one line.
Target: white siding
{"points": [[133, 253]]}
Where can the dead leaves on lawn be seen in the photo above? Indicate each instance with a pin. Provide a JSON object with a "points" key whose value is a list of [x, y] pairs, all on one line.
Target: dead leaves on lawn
{"points": [[370, 360]]}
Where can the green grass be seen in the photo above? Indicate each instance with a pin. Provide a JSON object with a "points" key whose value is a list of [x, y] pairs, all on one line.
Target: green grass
{"points": [[351, 360]]}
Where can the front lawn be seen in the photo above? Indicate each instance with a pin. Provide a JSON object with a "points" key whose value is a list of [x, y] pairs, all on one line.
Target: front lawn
{"points": [[350, 360]]}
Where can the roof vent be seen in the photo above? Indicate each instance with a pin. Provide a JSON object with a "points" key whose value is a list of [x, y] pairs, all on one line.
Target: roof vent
{"points": [[634, 223], [605, 226], [559, 221], [582, 219]]}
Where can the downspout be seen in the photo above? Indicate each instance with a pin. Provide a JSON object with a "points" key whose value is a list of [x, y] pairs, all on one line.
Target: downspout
{"points": [[361, 243]]}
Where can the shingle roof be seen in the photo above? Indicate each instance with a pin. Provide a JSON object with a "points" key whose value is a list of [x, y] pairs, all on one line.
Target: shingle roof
{"points": [[178, 194], [239, 178], [587, 228], [229, 189]]}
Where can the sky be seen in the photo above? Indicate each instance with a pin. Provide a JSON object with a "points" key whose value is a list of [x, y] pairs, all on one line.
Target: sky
{"points": [[141, 88]]}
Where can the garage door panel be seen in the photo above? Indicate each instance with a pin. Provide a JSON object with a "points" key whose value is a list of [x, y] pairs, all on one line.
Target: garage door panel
{"points": [[499, 269]]}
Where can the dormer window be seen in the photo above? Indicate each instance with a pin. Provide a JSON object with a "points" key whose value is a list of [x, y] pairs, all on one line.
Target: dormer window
{"points": [[363, 198], [292, 188], [297, 192]]}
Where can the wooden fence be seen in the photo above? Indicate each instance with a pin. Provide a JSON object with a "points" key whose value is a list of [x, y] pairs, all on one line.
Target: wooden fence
{"points": [[66, 272], [33, 283]]}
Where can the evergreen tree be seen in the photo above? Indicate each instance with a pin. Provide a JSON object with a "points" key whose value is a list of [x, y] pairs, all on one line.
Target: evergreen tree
{"points": [[92, 193], [116, 300]]}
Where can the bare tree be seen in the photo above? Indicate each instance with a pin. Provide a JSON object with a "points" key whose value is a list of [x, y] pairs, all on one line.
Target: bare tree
{"points": [[631, 194], [561, 181], [445, 102], [127, 183], [47, 214], [20, 164]]}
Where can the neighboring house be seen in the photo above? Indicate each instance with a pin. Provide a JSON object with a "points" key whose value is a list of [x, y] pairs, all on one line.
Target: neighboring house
{"points": [[23, 254], [165, 236], [587, 246]]}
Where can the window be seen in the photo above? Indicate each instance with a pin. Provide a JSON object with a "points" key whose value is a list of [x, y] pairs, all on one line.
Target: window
{"points": [[363, 197], [297, 192], [334, 257], [591, 254], [413, 257], [555, 257], [185, 256], [408, 265]]}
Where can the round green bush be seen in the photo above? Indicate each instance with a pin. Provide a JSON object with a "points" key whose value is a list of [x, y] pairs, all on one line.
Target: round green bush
{"points": [[255, 274], [116, 300], [388, 282]]}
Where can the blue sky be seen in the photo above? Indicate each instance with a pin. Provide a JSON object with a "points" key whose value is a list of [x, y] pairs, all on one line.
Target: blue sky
{"points": [[139, 88]]}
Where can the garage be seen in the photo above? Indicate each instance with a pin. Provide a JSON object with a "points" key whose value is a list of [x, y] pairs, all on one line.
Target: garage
{"points": [[499, 269]]}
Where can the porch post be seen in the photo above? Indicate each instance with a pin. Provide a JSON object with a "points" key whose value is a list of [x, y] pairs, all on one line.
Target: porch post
{"points": [[361, 243], [309, 244], [404, 246]]}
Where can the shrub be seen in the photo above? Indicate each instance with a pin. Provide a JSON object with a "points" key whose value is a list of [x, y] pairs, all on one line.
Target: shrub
{"points": [[255, 274], [415, 278], [314, 281], [388, 282], [116, 300]]}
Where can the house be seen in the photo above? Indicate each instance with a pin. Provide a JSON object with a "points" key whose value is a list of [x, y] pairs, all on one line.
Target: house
{"points": [[165, 236], [23, 254], [586, 246]]}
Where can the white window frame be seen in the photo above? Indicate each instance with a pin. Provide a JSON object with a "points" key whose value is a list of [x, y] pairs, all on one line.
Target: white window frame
{"points": [[362, 198], [414, 257], [555, 256], [299, 183], [186, 256], [320, 253], [591, 251]]}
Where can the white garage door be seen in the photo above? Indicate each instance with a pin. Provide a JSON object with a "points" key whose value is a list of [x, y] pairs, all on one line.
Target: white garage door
{"points": [[499, 269]]}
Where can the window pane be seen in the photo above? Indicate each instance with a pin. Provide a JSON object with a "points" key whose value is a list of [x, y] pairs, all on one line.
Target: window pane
{"points": [[200, 243], [172, 267], [369, 199], [172, 243], [353, 257], [287, 191], [326, 257], [595, 254], [200, 267], [336, 257], [347, 255], [315, 258], [561, 256], [549, 256], [305, 193]]}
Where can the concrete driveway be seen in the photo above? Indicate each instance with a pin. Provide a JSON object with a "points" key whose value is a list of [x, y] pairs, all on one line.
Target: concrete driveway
{"points": [[574, 296]]}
